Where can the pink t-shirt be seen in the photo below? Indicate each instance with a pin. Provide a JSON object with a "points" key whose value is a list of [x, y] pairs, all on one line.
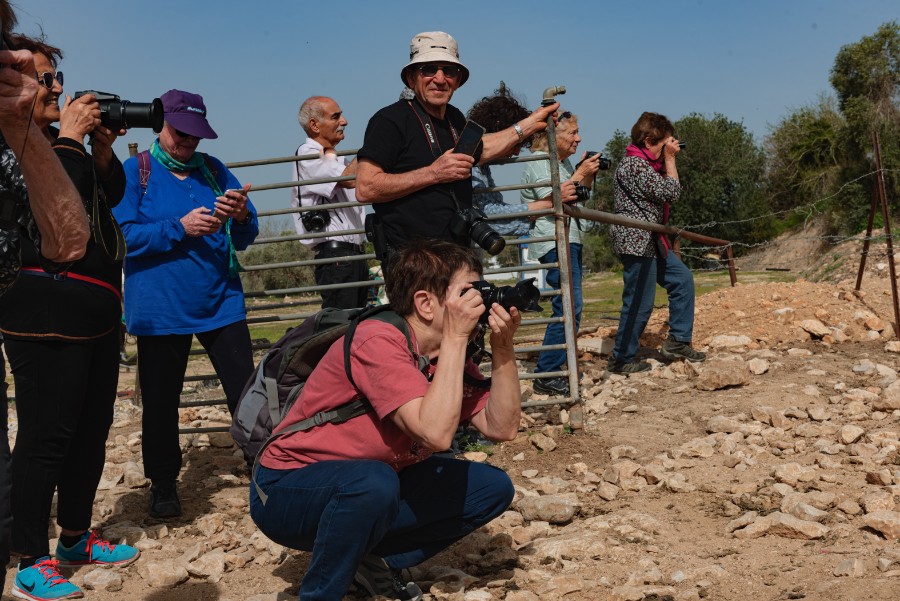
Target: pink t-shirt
{"points": [[386, 374]]}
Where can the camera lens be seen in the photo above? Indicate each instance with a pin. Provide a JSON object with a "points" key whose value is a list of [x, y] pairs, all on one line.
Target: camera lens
{"points": [[523, 296], [484, 236], [143, 114]]}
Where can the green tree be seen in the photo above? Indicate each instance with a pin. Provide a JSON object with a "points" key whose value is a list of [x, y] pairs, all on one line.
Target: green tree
{"points": [[721, 174], [804, 156]]}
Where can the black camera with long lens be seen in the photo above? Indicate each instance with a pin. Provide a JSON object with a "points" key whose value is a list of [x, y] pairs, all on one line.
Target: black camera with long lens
{"points": [[681, 145], [117, 114], [524, 296], [472, 223], [604, 163], [315, 221]]}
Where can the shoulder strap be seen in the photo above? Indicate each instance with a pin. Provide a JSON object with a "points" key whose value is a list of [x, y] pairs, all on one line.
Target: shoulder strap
{"points": [[144, 164]]}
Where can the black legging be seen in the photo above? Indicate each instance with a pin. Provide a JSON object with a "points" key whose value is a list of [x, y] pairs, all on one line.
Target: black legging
{"points": [[65, 394], [162, 361]]}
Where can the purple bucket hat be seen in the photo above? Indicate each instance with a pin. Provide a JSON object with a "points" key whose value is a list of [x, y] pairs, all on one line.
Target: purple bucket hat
{"points": [[187, 113]]}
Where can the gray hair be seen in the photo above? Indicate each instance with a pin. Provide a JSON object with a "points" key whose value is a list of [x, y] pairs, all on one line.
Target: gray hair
{"points": [[310, 109]]}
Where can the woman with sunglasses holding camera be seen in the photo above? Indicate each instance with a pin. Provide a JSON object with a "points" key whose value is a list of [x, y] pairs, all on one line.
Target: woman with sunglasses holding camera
{"points": [[538, 172], [184, 215], [62, 339]]}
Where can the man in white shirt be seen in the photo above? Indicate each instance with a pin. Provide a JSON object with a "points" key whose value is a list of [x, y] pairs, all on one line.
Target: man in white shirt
{"points": [[322, 120]]}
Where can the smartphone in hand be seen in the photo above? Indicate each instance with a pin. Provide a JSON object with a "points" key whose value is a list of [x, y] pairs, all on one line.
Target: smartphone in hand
{"points": [[469, 139]]}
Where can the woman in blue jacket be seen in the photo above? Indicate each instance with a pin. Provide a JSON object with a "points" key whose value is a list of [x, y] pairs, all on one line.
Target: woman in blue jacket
{"points": [[183, 215]]}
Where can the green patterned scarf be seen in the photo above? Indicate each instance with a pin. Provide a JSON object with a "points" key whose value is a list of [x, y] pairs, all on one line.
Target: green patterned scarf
{"points": [[197, 161]]}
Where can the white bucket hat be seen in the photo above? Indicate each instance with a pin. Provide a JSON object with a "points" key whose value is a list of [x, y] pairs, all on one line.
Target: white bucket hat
{"points": [[434, 47]]}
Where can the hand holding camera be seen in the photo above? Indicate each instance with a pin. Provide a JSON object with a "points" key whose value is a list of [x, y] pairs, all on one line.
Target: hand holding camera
{"points": [[79, 117]]}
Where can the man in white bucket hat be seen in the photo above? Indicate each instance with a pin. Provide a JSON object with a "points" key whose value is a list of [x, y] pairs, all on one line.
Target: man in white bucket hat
{"points": [[407, 167]]}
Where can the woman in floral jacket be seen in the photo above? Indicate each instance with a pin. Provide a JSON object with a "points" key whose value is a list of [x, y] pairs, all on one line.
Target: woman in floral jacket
{"points": [[646, 184]]}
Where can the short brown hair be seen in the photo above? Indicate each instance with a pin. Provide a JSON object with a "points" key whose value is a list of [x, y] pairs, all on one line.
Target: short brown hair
{"points": [[428, 265], [653, 126], [37, 46]]}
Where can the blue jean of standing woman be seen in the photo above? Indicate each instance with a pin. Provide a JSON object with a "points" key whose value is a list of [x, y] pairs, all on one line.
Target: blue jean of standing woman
{"points": [[555, 334], [641, 275]]}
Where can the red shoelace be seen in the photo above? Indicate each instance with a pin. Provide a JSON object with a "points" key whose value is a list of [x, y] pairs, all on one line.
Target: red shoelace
{"points": [[96, 538], [50, 571]]}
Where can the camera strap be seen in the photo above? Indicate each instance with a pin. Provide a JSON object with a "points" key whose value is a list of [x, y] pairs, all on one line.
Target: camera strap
{"points": [[431, 137], [428, 128]]}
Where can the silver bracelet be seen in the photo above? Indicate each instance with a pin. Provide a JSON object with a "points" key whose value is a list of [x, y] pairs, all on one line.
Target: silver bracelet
{"points": [[519, 131]]}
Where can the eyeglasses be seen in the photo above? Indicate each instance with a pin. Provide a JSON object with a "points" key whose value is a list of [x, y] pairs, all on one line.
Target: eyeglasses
{"points": [[181, 134], [430, 70], [565, 115], [46, 79]]}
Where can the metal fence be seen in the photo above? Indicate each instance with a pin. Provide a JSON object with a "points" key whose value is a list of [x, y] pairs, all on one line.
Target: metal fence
{"points": [[561, 212]]}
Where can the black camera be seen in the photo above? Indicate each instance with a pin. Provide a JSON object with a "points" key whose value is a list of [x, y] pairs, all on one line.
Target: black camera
{"points": [[681, 145], [116, 113], [523, 296], [315, 221], [472, 223], [583, 192], [605, 163]]}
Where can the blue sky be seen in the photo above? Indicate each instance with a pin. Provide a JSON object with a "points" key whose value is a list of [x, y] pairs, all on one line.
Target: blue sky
{"points": [[254, 62]]}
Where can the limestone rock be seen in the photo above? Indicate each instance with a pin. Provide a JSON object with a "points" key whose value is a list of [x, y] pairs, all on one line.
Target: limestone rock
{"points": [[783, 525], [556, 509], [758, 366], [210, 565], [163, 574], [542, 442], [720, 423], [815, 327], [103, 580], [878, 500], [850, 434], [850, 567], [718, 374], [889, 399], [885, 522]]}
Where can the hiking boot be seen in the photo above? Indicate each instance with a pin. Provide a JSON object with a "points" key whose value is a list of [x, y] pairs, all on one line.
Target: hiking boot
{"points": [[164, 502], [43, 581], [624, 369], [673, 350], [377, 578], [93, 549], [558, 386]]}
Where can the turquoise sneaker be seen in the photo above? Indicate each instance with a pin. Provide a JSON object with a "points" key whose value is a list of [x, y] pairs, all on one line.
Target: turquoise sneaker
{"points": [[43, 581], [93, 549]]}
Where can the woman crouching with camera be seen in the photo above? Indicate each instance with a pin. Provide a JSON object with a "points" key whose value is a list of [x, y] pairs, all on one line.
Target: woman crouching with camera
{"points": [[62, 339], [646, 184], [567, 140]]}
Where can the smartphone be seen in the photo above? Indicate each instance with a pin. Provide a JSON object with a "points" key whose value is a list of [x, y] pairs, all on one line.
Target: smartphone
{"points": [[469, 139]]}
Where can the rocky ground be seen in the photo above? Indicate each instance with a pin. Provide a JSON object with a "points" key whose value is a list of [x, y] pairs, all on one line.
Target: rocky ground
{"points": [[770, 472]]}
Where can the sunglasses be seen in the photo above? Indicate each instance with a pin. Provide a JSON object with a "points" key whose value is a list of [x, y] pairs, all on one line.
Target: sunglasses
{"points": [[430, 70], [181, 134], [46, 79], [565, 115]]}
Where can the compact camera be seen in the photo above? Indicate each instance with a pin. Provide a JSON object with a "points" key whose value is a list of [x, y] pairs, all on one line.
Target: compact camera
{"points": [[116, 113], [523, 296], [315, 221], [471, 223]]}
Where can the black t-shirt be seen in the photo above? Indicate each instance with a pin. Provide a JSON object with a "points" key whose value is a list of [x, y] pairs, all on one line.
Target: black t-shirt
{"points": [[396, 141]]}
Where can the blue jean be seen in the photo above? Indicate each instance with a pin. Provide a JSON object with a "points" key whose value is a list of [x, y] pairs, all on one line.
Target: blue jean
{"points": [[641, 274], [556, 333], [342, 510]]}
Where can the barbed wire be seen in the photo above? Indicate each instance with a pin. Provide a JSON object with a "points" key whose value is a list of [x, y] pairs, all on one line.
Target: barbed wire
{"points": [[811, 208]]}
